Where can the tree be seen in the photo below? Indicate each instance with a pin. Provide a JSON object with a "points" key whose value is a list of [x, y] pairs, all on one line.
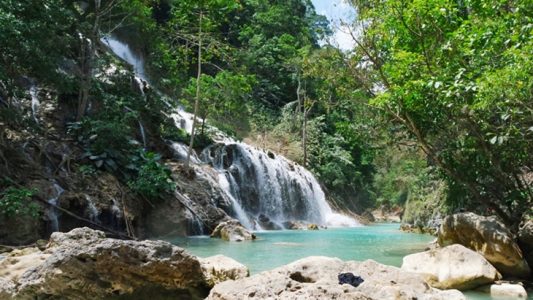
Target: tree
{"points": [[454, 74], [211, 14]]}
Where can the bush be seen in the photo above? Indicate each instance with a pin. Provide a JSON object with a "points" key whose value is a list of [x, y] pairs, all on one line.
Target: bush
{"points": [[153, 178], [17, 202]]}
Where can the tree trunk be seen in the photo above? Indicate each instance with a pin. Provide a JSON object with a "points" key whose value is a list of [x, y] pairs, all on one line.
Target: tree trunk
{"points": [[88, 53], [304, 138], [197, 100]]}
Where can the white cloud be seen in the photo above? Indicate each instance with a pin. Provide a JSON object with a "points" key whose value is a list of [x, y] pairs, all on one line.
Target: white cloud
{"points": [[338, 12], [343, 39]]}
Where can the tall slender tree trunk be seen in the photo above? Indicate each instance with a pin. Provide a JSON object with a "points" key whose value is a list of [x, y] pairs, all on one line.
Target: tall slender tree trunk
{"points": [[88, 53], [304, 137], [197, 100]]}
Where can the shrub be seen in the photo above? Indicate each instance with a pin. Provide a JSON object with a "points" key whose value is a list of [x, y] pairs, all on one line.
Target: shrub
{"points": [[17, 202], [153, 178]]}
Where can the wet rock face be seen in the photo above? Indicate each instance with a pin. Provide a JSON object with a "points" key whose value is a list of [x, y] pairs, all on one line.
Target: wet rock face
{"points": [[21, 230], [83, 264], [487, 236], [452, 267], [232, 231], [317, 278]]}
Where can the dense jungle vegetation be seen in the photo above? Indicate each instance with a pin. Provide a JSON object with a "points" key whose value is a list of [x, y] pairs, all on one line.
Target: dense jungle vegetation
{"points": [[433, 106]]}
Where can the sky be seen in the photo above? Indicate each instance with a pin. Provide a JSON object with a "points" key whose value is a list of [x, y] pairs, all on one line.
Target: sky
{"points": [[337, 11]]}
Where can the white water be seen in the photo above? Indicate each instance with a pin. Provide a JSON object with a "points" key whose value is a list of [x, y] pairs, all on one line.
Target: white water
{"points": [[35, 104], [183, 120], [257, 184], [93, 212], [263, 184], [123, 51], [181, 150], [52, 211], [239, 211], [143, 135]]}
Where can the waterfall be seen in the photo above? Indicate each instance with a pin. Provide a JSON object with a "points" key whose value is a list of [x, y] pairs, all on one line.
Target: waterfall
{"points": [[92, 211], [240, 214], [34, 102], [183, 120], [263, 188], [52, 211], [181, 150], [143, 135], [116, 214], [124, 51], [269, 188]]}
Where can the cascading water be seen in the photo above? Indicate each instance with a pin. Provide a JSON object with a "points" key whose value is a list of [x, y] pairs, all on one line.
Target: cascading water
{"points": [[143, 135], [92, 211], [52, 210], [34, 102], [262, 187], [270, 188], [124, 51]]}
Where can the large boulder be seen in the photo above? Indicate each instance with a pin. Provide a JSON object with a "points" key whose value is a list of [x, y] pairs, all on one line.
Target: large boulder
{"points": [[220, 268], [84, 264], [487, 236], [451, 267], [232, 231], [525, 240], [317, 278]]}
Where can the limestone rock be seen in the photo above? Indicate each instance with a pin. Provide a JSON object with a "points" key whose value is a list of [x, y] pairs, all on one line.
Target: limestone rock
{"points": [[83, 264], [295, 225], [487, 236], [316, 278], [220, 268], [232, 231], [525, 240], [451, 267], [312, 227], [267, 224], [508, 291]]}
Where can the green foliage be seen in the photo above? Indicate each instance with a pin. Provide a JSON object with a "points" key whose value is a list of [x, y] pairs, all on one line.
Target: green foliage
{"points": [[35, 36], [457, 76], [16, 202], [223, 97], [153, 178]]}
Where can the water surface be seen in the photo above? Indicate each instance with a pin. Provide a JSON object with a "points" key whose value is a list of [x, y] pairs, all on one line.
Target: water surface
{"points": [[383, 243]]}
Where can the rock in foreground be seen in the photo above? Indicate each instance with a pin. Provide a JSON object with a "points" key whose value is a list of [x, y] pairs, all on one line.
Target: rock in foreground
{"points": [[487, 236], [84, 264], [316, 278], [508, 291], [452, 267], [232, 231], [220, 268]]}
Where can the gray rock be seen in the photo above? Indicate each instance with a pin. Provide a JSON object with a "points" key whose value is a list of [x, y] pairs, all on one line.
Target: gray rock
{"points": [[451, 267], [316, 278], [83, 264], [232, 231], [487, 236]]}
